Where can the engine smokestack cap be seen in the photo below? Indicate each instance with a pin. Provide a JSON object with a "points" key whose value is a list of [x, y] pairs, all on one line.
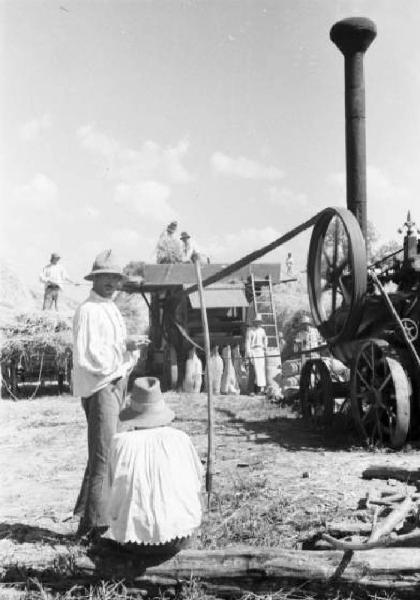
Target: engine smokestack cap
{"points": [[354, 34]]}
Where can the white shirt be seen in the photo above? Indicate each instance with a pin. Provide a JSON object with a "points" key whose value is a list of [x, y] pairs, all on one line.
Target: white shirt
{"points": [[155, 483], [256, 339], [99, 352], [55, 274], [188, 250]]}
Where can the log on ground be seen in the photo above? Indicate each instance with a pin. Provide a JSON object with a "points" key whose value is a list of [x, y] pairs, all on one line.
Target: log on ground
{"points": [[250, 568], [388, 472]]}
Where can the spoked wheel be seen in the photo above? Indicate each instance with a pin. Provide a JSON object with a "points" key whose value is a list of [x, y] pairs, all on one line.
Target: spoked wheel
{"points": [[380, 395], [315, 389], [337, 274]]}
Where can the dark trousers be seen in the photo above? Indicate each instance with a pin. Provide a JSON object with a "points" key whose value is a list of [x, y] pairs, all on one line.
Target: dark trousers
{"points": [[102, 410], [51, 297]]}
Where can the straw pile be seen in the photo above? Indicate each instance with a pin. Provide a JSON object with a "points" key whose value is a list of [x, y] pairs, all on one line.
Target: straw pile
{"points": [[27, 335]]}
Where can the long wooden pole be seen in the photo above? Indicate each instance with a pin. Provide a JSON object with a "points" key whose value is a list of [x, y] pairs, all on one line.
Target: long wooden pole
{"points": [[210, 411]]}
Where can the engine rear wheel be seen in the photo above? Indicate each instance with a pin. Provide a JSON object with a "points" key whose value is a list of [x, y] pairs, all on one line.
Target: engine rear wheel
{"points": [[380, 395]]}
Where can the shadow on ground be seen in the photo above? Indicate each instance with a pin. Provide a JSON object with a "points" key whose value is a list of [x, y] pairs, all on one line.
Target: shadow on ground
{"points": [[21, 533], [294, 433]]}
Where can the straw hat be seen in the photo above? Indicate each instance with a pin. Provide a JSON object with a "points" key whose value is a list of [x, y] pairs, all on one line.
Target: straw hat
{"points": [[147, 408], [185, 236], [258, 319], [55, 256], [105, 262]]}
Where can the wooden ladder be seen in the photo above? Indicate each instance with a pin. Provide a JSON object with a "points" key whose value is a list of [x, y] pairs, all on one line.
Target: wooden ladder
{"points": [[265, 307]]}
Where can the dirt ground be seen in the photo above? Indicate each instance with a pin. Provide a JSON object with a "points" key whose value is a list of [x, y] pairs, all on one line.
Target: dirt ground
{"points": [[277, 480]]}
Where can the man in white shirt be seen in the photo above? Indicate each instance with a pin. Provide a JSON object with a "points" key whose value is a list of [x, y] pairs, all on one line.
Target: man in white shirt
{"points": [[102, 360], [189, 248], [53, 276], [255, 349]]}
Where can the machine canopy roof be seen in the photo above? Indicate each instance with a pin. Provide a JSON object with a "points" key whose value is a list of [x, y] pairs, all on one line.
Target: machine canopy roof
{"points": [[221, 296], [183, 275]]}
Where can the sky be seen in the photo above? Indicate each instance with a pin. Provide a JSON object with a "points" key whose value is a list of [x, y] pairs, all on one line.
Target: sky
{"points": [[227, 115]]}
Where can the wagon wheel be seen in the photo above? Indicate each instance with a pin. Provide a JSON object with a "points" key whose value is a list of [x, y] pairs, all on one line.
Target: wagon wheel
{"points": [[315, 390], [380, 395], [337, 274]]}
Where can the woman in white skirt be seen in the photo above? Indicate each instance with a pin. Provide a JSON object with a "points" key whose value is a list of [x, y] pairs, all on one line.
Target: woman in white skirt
{"points": [[155, 474]]}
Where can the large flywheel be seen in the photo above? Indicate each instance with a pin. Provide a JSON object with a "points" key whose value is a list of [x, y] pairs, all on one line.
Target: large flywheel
{"points": [[337, 274], [380, 394]]}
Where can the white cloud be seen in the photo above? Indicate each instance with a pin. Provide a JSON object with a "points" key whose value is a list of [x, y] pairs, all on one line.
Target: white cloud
{"points": [[41, 193], [147, 198], [32, 129], [244, 167], [127, 237], [127, 164], [286, 198], [91, 211], [232, 246], [387, 201]]}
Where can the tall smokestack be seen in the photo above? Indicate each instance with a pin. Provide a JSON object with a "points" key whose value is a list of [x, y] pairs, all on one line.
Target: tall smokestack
{"points": [[353, 37]]}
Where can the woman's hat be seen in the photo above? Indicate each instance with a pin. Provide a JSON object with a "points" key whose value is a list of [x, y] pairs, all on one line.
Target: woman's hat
{"points": [[105, 262], [184, 235], [147, 408], [258, 319]]}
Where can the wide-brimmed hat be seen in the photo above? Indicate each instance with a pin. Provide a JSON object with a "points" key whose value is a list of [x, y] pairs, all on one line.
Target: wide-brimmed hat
{"points": [[258, 318], [184, 235], [105, 262], [55, 255], [147, 408]]}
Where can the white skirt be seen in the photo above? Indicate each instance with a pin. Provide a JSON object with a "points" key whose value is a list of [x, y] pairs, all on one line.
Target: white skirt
{"points": [[155, 477], [258, 361]]}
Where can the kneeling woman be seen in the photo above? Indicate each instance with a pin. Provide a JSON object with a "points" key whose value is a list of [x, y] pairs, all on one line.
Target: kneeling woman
{"points": [[155, 474]]}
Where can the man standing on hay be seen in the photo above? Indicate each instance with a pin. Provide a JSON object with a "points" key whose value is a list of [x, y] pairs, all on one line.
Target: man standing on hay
{"points": [[53, 276], [103, 357]]}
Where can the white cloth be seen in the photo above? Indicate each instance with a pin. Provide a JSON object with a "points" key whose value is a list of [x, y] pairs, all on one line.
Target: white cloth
{"points": [[256, 344], [155, 482], [55, 274], [99, 352], [188, 250]]}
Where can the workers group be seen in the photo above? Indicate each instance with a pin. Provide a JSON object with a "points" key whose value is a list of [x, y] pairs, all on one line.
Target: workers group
{"points": [[142, 480], [173, 249]]}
